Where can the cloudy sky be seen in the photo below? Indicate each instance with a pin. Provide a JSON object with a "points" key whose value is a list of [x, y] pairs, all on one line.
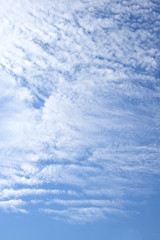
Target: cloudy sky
{"points": [[80, 119]]}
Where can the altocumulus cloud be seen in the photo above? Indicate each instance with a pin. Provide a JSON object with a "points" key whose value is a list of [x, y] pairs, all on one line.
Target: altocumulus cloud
{"points": [[79, 106]]}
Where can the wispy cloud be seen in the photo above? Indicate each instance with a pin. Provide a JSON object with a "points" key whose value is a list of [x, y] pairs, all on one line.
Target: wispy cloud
{"points": [[13, 205]]}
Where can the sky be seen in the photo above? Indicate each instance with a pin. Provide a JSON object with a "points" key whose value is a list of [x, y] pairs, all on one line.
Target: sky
{"points": [[79, 119]]}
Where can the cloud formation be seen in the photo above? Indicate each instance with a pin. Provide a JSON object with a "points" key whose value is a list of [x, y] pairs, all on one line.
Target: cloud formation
{"points": [[79, 106]]}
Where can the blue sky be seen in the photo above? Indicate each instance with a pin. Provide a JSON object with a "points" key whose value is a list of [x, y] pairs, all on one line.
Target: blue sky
{"points": [[79, 117]]}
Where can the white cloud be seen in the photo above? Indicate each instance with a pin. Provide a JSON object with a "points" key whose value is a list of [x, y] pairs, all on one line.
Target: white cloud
{"points": [[82, 215], [79, 101], [13, 205]]}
